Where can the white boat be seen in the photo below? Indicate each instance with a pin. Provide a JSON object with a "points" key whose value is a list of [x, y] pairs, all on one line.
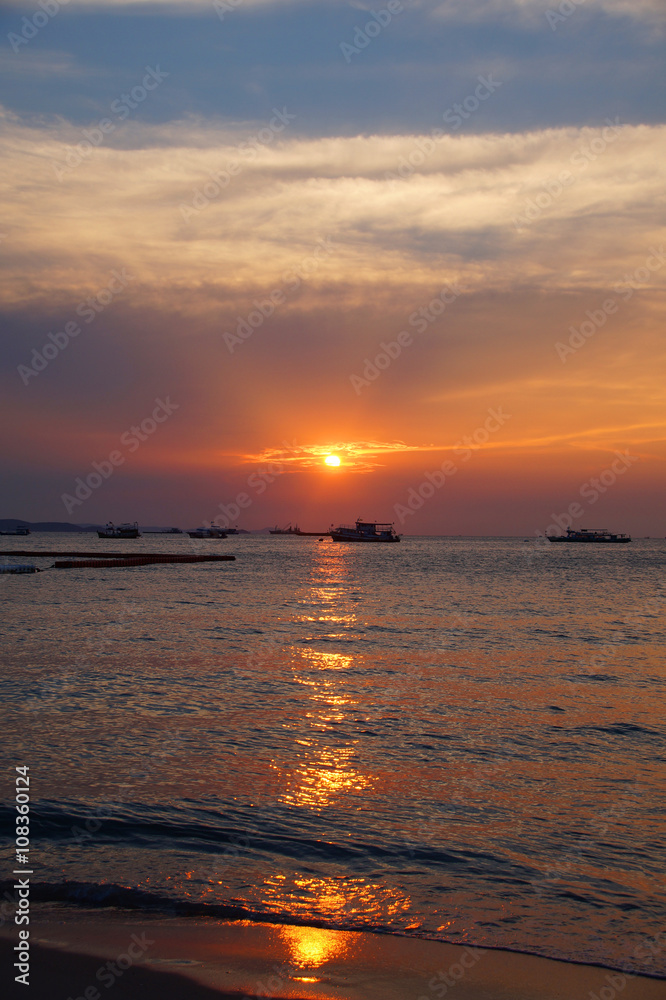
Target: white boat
{"points": [[364, 531], [214, 531], [120, 531]]}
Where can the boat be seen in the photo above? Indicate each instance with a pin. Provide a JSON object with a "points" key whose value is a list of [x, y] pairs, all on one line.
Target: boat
{"points": [[125, 530], [213, 531], [19, 530], [295, 530], [364, 531], [589, 535]]}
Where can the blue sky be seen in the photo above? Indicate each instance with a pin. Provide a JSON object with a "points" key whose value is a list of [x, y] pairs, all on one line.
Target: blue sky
{"points": [[591, 66]]}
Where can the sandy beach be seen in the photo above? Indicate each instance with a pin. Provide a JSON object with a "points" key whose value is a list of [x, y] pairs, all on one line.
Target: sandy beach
{"points": [[91, 956]]}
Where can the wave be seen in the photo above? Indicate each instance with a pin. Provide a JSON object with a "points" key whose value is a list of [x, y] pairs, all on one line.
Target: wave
{"points": [[110, 895]]}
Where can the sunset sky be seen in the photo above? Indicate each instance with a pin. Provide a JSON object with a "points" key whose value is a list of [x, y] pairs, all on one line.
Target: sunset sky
{"points": [[260, 234]]}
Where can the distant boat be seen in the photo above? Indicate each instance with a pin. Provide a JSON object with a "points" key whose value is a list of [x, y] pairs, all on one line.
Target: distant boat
{"points": [[214, 531], [295, 530], [120, 531], [364, 531], [19, 530], [589, 535]]}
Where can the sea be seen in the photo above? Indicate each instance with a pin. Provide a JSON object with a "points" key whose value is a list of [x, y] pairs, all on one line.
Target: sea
{"points": [[452, 738]]}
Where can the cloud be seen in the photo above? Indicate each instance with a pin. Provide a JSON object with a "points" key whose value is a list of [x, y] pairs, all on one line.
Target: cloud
{"points": [[532, 12], [187, 207], [356, 456], [35, 63], [184, 7], [529, 12]]}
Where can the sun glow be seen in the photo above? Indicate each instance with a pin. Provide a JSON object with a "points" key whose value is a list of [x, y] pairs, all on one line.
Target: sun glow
{"points": [[332, 460]]}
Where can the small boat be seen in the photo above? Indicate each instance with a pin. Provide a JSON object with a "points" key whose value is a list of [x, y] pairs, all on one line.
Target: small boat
{"points": [[21, 529], [214, 531], [120, 531], [364, 531], [589, 535]]}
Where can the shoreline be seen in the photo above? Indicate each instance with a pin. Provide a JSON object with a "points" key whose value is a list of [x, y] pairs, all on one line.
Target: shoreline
{"points": [[159, 958]]}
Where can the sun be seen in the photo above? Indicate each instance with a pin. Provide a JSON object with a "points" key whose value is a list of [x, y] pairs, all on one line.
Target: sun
{"points": [[332, 460]]}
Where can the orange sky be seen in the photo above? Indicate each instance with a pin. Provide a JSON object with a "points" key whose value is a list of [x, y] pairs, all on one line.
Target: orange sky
{"points": [[256, 314]]}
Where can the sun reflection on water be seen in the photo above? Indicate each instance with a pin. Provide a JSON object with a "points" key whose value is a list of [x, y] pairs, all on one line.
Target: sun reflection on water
{"points": [[323, 768], [311, 947], [347, 902]]}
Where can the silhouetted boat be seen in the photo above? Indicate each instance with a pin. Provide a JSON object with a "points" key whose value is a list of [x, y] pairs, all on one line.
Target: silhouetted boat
{"points": [[589, 535], [214, 531], [364, 531], [126, 530], [20, 530]]}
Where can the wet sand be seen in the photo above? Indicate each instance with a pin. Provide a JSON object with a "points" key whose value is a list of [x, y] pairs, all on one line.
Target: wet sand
{"points": [[87, 956]]}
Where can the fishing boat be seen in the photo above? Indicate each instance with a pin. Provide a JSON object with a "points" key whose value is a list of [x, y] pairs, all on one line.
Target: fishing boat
{"points": [[19, 530], [364, 531], [125, 530], [213, 531], [589, 535]]}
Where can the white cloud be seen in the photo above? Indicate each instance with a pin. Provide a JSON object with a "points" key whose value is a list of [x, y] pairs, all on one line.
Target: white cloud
{"points": [[458, 10], [556, 209], [534, 11]]}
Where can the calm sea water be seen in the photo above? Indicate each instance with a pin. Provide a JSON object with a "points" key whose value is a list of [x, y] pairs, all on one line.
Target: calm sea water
{"points": [[460, 739]]}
